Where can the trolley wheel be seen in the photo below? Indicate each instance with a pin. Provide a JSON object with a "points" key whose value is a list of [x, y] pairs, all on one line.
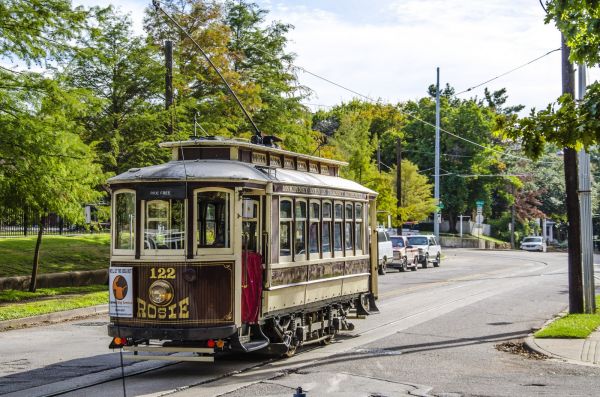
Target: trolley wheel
{"points": [[327, 341], [438, 260], [291, 351]]}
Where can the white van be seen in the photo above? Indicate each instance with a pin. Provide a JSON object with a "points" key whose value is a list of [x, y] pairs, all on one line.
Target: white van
{"points": [[385, 249]]}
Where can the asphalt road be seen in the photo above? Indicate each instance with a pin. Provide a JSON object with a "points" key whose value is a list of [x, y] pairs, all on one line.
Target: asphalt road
{"points": [[436, 335]]}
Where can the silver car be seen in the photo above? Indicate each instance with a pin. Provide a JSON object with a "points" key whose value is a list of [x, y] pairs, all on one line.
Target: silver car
{"points": [[533, 243]]}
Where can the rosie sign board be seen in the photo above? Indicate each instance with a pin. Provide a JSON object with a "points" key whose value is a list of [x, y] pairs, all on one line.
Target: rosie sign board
{"points": [[120, 287]]}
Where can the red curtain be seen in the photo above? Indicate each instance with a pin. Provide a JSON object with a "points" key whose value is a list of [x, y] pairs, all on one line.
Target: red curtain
{"points": [[251, 286]]}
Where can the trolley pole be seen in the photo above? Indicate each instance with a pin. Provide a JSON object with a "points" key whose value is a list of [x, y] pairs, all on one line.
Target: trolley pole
{"points": [[436, 225], [585, 211]]}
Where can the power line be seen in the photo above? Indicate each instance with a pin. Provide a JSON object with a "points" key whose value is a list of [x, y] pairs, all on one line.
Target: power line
{"points": [[410, 115], [508, 72]]}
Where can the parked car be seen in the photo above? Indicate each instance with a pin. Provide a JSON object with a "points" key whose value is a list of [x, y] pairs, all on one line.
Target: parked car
{"points": [[404, 257], [533, 243], [428, 250], [386, 253]]}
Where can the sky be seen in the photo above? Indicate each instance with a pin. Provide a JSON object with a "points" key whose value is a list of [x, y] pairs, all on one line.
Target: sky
{"points": [[389, 49]]}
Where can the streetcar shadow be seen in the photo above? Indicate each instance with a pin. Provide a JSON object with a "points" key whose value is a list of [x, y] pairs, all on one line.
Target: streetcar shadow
{"points": [[367, 353], [57, 372]]}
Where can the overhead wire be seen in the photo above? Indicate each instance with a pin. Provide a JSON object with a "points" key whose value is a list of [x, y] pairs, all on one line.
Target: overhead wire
{"points": [[508, 72], [410, 115]]}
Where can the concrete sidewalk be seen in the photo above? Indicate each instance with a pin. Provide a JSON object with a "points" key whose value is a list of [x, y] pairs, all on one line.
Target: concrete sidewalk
{"points": [[575, 351]]}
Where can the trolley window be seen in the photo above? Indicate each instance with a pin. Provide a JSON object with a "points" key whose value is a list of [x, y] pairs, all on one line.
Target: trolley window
{"points": [[213, 219], [300, 230], [337, 229], [313, 229], [125, 221], [164, 227], [285, 228], [326, 229], [348, 228], [250, 224], [358, 228]]}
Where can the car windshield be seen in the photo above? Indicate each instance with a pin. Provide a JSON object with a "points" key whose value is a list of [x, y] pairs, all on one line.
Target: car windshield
{"points": [[417, 240], [397, 242], [532, 240]]}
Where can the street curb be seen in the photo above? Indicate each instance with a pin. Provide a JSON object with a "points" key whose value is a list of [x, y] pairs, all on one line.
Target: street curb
{"points": [[530, 342], [55, 317]]}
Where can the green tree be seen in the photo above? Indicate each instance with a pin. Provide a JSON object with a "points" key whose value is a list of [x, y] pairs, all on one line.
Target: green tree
{"points": [[470, 119], [417, 201], [45, 165], [35, 31], [579, 22], [125, 79]]}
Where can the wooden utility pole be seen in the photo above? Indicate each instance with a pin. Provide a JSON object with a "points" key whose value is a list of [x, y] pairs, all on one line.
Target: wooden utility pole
{"points": [[572, 199], [512, 220], [169, 82], [399, 182], [379, 157]]}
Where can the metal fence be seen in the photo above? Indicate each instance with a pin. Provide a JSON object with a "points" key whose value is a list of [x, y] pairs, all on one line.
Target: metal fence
{"points": [[14, 223]]}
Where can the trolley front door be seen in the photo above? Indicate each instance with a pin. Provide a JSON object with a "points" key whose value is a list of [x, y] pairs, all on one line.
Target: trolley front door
{"points": [[251, 259]]}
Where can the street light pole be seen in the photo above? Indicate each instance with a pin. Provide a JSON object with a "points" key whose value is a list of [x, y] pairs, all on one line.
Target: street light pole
{"points": [[436, 225], [585, 211]]}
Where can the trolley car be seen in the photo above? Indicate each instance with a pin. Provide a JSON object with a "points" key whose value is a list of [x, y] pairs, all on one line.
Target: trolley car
{"points": [[238, 246]]}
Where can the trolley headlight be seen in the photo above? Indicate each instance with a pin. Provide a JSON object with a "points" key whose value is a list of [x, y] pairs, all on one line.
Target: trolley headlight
{"points": [[160, 293]]}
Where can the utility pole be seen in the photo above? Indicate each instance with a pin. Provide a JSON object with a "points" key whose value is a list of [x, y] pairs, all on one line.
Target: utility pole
{"points": [[572, 201], [399, 183], [585, 203], [169, 82], [379, 156], [436, 225], [512, 220]]}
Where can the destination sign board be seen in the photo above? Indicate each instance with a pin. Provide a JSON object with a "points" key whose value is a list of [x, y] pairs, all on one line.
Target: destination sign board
{"points": [[161, 192]]}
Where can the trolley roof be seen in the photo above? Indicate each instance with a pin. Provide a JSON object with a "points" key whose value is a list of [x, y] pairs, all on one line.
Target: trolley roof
{"points": [[227, 170], [216, 141]]}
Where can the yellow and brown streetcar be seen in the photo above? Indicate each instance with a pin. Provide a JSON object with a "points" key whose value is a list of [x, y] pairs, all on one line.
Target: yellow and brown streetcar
{"points": [[238, 246]]}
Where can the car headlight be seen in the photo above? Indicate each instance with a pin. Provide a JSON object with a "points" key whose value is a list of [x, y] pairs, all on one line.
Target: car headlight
{"points": [[160, 293]]}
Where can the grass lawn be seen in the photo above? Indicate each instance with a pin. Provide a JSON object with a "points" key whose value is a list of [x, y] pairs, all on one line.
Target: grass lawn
{"points": [[572, 325], [57, 254], [34, 308], [20, 296]]}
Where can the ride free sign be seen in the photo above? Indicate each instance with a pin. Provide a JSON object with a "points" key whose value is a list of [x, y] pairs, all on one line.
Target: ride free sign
{"points": [[120, 287]]}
